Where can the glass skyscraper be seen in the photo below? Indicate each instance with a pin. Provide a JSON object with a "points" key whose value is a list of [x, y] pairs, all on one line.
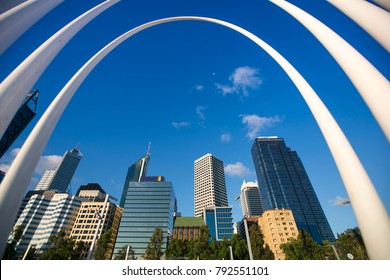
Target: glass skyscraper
{"points": [[250, 199], [284, 183], [220, 221], [147, 202], [59, 178]]}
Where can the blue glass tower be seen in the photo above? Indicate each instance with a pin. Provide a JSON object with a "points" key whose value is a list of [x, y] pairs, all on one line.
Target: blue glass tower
{"points": [[284, 183], [219, 221]]}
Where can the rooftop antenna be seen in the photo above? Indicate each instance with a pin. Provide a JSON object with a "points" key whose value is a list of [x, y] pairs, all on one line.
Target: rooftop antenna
{"points": [[148, 152]]}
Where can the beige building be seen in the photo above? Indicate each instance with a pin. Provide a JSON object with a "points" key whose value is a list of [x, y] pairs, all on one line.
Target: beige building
{"points": [[85, 226], [278, 226]]}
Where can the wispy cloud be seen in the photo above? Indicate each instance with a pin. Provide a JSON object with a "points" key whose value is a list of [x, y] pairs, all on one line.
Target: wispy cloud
{"points": [[237, 169], [225, 137], [340, 201], [255, 124], [200, 112], [180, 124], [199, 87], [242, 79]]}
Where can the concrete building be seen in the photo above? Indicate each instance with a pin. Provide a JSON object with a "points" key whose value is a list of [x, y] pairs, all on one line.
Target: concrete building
{"points": [[44, 214], [209, 184], [85, 227], [278, 226], [250, 199]]}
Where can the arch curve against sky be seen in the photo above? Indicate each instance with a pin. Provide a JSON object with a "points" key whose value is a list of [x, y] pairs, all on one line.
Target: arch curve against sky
{"points": [[359, 187]]}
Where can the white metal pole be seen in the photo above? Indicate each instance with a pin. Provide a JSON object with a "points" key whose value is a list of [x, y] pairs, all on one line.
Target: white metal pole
{"points": [[127, 252], [248, 239], [14, 22], [15, 87], [231, 252]]}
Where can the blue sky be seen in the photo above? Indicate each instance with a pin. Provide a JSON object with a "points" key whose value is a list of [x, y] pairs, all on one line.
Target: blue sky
{"points": [[192, 88]]}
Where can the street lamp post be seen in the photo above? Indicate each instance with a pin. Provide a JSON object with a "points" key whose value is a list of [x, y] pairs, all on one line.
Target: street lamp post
{"points": [[248, 240]]}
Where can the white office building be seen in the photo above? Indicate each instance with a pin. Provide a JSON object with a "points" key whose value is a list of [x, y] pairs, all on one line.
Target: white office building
{"points": [[250, 199], [209, 183]]}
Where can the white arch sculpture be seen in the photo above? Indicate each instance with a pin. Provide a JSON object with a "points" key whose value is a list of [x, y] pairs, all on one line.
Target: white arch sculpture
{"points": [[14, 22], [374, 20], [363, 196], [14, 88], [373, 87]]}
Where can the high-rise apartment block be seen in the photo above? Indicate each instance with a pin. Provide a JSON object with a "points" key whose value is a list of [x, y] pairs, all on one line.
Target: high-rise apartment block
{"points": [[284, 184], [209, 183], [250, 199], [278, 227], [58, 178]]}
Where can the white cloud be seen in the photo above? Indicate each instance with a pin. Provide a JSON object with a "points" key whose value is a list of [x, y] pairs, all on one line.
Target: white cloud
{"points": [[340, 201], [200, 112], [180, 124], [199, 87], [237, 169], [255, 124], [225, 137], [242, 79], [45, 162]]}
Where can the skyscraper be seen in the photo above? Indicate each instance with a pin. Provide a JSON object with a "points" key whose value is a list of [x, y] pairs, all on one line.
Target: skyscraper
{"points": [[58, 178], [209, 183], [135, 173], [148, 204], [250, 199], [283, 183]]}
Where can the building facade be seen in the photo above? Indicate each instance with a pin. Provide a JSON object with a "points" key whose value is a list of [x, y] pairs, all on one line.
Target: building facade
{"points": [[250, 199], [209, 184], [93, 209], [284, 183], [58, 178], [44, 215], [220, 221], [186, 228], [148, 204], [278, 227]]}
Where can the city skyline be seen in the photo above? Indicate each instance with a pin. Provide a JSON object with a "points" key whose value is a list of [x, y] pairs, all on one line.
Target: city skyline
{"points": [[222, 94]]}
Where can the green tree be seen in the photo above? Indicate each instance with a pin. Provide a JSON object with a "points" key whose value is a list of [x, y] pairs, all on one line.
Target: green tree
{"points": [[121, 254], [260, 251], [10, 249], [303, 248], [154, 248], [177, 249], [351, 242], [223, 249], [201, 248], [240, 248], [62, 248], [100, 251]]}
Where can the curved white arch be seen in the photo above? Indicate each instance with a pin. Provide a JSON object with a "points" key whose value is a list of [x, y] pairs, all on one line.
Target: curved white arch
{"points": [[14, 88], [361, 191], [14, 22], [373, 87], [374, 20]]}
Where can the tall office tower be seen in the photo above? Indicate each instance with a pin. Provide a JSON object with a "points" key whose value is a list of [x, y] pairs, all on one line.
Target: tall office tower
{"points": [[148, 204], [59, 178], [250, 199], [44, 214], [93, 210], [209, 183], [135, 173], [22, 118], [283, 183]]}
